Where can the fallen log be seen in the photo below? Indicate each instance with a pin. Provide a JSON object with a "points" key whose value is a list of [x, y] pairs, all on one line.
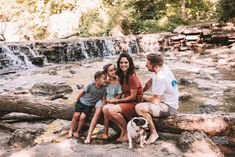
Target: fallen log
{"points": [[210, 124], [20, 117], [35, 106]]}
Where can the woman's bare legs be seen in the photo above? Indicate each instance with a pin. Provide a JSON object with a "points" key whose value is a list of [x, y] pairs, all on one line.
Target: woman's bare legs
{"points": [[73, 123], [98, 111], [80, 124], [115, 115], [105, 135]]}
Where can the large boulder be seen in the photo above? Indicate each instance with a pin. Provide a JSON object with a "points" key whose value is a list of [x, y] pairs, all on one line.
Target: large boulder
{"points": [[22, 138], [50, 89], [198, 144]]}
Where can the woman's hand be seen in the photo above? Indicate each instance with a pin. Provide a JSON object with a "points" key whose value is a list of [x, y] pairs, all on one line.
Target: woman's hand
{"points": [[113, 101]]}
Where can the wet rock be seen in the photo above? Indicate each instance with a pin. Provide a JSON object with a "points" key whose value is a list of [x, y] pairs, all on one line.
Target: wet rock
{"points": [[198, 144], [222, 61], [204, 74], [185, 60], [22, 138], [206, 32], [192, 38], [38, 60], [80, 86], [50, 89], [186, 82], [206, 109], [57, 97], [56, 131], [52, 72], [72, 71], [184, 96], [22, 91], [192, 31], [221, 140], [137, 66]]}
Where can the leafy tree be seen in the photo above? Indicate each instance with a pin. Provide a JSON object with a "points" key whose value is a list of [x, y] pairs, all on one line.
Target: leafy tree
{"points": [[226, 9]]}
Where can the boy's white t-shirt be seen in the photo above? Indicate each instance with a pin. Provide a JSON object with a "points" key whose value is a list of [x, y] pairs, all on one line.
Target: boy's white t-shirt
{"points": [[165, 85]]}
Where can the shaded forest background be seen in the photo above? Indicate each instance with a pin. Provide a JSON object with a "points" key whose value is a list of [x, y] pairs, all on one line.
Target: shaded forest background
{"points": [[34, 18]]}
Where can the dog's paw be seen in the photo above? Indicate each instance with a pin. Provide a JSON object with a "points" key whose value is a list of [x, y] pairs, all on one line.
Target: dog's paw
{"points": [[130, 147]]}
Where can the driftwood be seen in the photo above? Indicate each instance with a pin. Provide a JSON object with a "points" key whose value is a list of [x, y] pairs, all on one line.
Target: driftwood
{"points": [[210, 124], [20, 117], [36, 106], [70, 35]]}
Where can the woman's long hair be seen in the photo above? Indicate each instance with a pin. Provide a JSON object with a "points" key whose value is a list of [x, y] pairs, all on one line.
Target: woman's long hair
{"points": [[130, 70]]}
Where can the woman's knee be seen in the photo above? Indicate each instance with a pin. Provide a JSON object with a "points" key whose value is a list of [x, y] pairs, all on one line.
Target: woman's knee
{"points": [[105, 109]]}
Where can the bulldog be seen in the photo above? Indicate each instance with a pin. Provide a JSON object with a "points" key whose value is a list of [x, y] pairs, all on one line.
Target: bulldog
{"points": [[136, 131]]}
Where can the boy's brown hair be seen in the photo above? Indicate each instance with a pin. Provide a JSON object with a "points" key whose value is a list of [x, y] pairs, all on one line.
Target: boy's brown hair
{"points": [[98, 74]]}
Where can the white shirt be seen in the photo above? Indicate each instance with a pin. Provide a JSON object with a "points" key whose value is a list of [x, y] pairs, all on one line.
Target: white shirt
{"points": [[165, 85]]}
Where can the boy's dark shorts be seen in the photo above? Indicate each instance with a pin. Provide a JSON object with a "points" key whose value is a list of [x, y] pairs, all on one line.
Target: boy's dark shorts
{"points": [[83, 108]]}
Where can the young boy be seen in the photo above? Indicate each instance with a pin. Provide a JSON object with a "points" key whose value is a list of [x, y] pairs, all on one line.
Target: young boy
{"points": [[86, 101]]}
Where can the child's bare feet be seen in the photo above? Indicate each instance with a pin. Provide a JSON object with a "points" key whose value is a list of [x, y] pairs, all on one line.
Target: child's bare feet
{"points": [[70, 134], [104, 136], [87, 141], [75, 134]]}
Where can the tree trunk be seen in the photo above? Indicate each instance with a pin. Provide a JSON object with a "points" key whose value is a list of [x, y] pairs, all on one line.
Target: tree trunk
{"points": [[210, 124], [35, 106], [182, 9]]}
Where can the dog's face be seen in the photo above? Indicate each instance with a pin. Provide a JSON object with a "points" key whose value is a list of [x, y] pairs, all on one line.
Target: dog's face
{"points": [[140, 122]]}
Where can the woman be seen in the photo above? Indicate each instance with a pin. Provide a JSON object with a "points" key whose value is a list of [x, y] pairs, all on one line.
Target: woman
{"points": [[132, 90]]}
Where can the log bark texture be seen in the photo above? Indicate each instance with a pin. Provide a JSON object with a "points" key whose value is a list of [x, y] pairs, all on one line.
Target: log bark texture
{"points": [[210, 124], [35, 106]]}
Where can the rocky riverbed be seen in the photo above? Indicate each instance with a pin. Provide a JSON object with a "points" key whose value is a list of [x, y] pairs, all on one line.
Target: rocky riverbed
{"points": [[206, 85]]}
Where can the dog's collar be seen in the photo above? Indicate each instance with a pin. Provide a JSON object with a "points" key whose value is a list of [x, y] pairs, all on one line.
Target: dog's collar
{"points": [[132, 124]]}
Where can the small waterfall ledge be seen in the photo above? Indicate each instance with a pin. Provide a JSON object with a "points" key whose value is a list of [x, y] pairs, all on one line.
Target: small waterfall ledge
{"points": [[25, 55]]}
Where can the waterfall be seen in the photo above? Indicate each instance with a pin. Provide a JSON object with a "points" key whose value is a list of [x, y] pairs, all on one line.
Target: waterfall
{"points": [[109, 47], [83, 49], [10, 59], [28, 54]]}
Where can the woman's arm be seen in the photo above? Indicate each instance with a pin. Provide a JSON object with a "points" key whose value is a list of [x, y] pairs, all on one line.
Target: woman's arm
{"points": [[118, 96], [131, 97]]}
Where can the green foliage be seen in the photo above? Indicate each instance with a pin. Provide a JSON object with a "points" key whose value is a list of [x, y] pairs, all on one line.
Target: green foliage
{"points": [[150, 16], [40, 33], [226, 9], [148, 9], [200, 9], [174, 21], [57, 7], [91, 24]]}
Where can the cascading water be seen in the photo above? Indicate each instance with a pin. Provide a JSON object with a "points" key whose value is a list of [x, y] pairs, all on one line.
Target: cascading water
{"points": [[83, 49], [26, 55], [10, 59]]}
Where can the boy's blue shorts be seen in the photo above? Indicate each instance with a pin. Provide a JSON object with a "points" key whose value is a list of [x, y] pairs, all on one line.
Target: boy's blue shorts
{"points": [[83, 108]]}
